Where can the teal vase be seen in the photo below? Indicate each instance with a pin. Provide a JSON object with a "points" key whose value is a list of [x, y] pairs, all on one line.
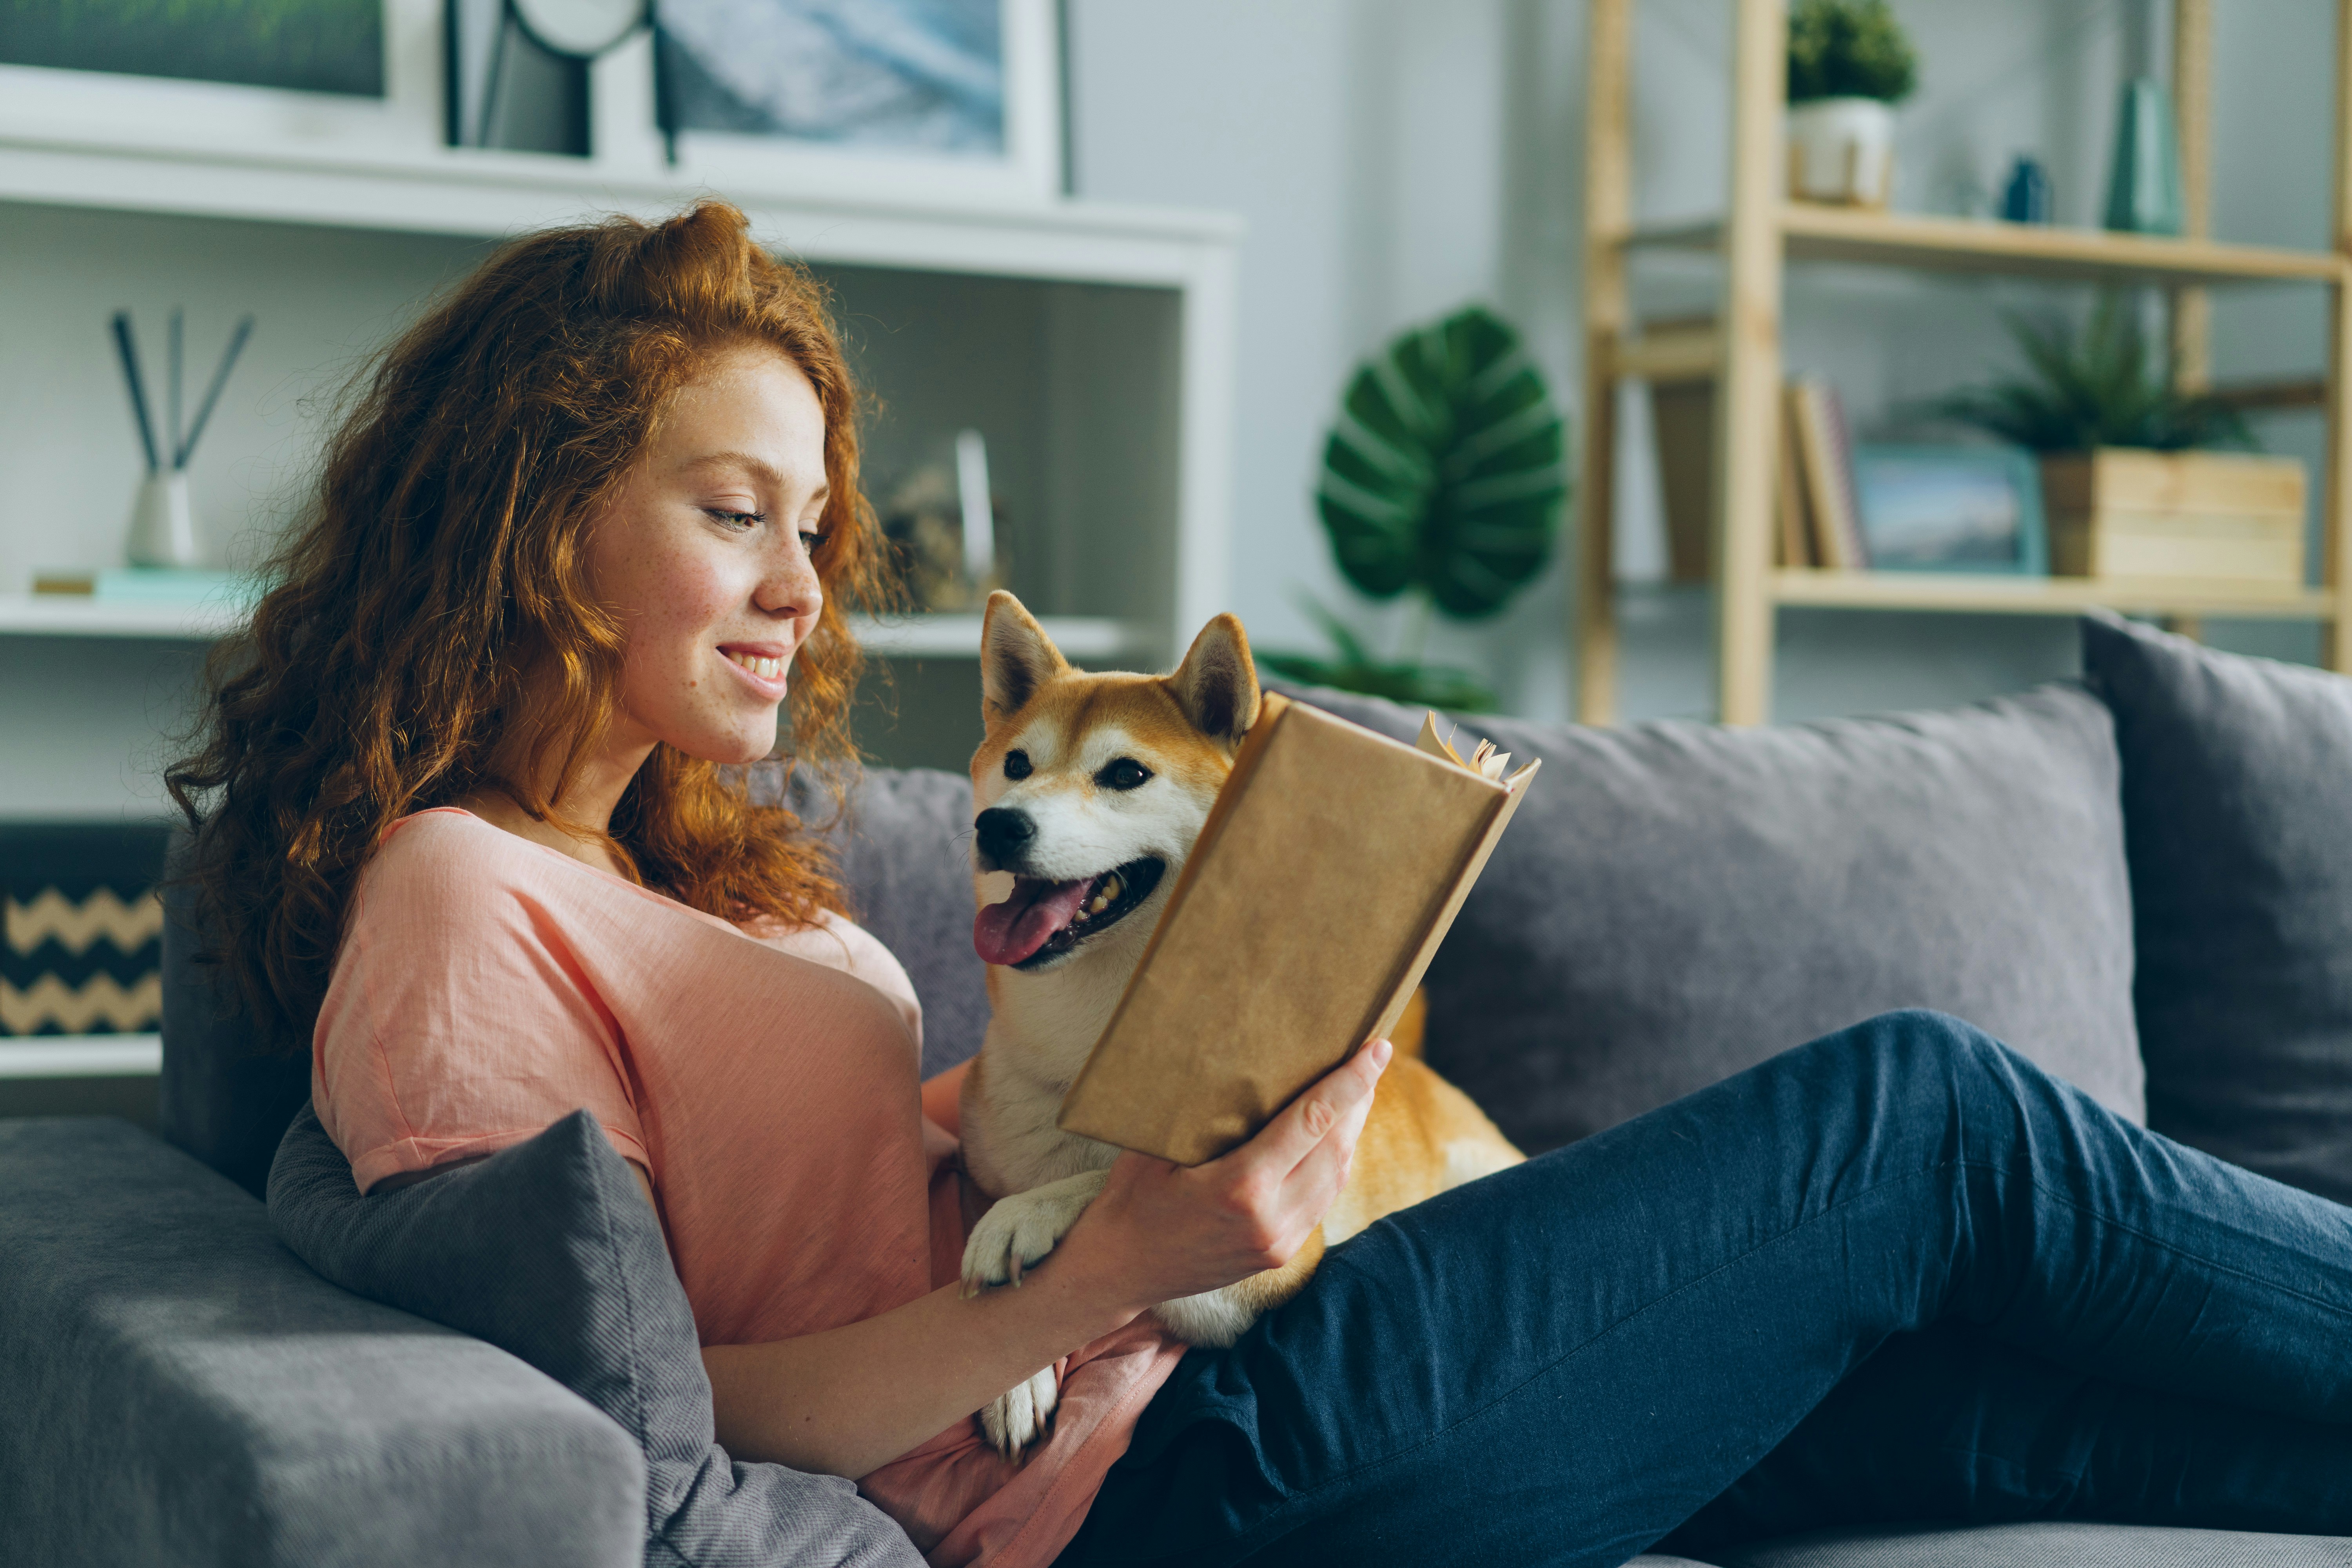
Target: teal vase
{"points": [[2144, 189]]}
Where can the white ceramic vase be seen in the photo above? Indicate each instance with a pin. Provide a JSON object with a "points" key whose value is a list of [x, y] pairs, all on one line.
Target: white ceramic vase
{"points": [[1841, 149], [164, 523]]}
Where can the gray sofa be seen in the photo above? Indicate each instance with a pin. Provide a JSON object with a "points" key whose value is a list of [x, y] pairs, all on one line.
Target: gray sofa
{"points": [[1674, 903]]}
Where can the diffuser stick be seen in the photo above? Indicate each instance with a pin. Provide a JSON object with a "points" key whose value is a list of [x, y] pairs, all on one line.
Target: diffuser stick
{"points": [[129, 351], [212, 393], [176, 375]]}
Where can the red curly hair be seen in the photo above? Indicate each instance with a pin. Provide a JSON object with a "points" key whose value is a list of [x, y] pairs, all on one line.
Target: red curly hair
{"points": [[444, 554]]}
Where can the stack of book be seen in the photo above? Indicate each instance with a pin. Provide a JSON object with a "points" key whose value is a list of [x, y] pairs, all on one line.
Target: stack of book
{"points": [[1820, 514]]}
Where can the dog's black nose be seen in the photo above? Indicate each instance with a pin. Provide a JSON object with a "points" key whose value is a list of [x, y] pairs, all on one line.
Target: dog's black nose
{"points": [[1004, 834]]}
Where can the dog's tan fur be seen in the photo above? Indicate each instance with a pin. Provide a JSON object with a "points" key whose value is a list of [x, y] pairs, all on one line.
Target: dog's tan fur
{"points": [[1423, 1136]]}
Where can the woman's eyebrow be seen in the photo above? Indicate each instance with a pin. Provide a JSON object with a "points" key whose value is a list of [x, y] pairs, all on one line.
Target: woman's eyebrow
{"points": [[759, 469]]}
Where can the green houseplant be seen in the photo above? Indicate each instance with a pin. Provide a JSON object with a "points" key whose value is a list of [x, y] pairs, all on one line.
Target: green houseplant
{"points": [[2131, 483], [1849, 64], [1442, 481]]}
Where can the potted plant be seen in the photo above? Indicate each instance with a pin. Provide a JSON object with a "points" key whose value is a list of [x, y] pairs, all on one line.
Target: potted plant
{"points": [[2130, 481], [1849, 64], [1442, 481]]}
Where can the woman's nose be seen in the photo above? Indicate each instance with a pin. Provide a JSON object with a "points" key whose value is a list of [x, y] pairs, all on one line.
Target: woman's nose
{"points": [[790, 587]]}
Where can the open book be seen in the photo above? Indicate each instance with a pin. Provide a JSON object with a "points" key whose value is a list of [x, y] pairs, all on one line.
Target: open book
{"points": [[1330, 866]]}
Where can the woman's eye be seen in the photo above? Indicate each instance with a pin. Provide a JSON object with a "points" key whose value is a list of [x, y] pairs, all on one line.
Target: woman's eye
{"points": [[1016, 765], [1124, 773], [739, 521], [810, 540]]}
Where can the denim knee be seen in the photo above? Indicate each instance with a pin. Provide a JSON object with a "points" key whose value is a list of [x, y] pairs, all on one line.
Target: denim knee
{"points": [[1917, 1052]]}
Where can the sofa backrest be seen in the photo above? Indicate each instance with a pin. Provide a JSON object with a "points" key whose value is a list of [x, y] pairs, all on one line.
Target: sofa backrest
{"points": [[1676, 902], [903, 855]]}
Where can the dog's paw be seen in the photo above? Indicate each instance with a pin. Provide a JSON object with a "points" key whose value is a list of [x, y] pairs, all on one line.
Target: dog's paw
{"points": [[1017, 1232], [1021, 1415]]}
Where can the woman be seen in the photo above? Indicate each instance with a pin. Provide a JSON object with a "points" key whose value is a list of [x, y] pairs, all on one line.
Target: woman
{"points": [[592, 524]]}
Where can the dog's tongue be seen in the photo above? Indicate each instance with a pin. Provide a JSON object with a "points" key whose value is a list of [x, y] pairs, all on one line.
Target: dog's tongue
{"points": [[1011, 931]]}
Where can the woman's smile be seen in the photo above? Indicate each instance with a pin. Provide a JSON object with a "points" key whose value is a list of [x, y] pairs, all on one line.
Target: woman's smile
{"points": [[761, 664]]}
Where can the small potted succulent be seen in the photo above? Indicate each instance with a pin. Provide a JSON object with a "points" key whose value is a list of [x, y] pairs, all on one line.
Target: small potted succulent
{"points": [[1849, 64], [2131, 483]]}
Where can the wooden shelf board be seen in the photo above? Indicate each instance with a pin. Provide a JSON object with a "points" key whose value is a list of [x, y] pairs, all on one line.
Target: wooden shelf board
{"points": [[2038, 595], [81, 1056], [2034, 250], [906, 636]]}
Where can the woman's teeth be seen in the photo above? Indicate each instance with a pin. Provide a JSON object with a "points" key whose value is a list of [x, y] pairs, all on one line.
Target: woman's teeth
{"points": [[766, 668]]}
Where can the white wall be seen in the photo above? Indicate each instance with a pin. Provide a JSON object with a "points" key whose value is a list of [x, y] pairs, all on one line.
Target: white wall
{"points": [[1396, 158]]}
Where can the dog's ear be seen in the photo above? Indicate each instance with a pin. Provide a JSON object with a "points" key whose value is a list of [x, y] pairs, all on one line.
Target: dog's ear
{"points": [[1217, 683], [1016, 658]]}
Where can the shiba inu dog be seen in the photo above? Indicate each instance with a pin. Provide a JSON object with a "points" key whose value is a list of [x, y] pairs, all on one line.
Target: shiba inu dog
{"points": [[1089, 791]]}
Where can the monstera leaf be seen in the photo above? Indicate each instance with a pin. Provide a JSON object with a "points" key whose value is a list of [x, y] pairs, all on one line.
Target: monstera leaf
{"points": [[1445, 471]]}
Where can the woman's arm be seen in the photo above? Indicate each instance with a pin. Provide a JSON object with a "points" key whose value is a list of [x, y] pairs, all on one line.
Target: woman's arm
{"points": [[943, 1099], [851, 1399]]}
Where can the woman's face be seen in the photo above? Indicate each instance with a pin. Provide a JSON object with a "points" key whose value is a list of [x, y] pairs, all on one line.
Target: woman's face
{"points": [[704, 557]]}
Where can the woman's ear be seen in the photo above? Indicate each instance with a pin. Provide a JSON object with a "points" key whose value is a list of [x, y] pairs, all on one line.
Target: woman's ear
{"points": [[1016, 658], [1217, 683]]}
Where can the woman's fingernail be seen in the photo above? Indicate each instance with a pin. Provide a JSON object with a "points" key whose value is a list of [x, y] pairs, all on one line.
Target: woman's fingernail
{"points": [[1382, 1052]]}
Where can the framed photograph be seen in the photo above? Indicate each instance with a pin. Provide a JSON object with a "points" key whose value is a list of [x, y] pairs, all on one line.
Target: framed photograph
{"points": [[1951, 509], [922, 99], [260, 77]]}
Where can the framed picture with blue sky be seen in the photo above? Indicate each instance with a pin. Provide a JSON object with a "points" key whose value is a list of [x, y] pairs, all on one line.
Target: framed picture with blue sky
{"points": [[1951, 509]]}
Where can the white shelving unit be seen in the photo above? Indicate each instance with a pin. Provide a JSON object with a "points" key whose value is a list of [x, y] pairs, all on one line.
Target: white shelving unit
{"points": [[1122, 320]]}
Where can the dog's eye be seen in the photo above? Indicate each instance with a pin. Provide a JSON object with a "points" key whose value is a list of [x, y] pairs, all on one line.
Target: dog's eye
{"points": [[1016, 765], [1125, 772]]}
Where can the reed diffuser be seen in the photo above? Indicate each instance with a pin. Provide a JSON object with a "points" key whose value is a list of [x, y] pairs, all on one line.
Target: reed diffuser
{"points": [[164, 518]]}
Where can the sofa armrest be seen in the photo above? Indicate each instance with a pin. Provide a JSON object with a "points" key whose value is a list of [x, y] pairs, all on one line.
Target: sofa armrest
{"points": [[181, 1389]]}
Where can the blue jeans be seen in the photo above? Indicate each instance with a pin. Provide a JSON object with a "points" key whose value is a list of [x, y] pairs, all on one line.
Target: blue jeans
{"points": [[1897, 1274]]}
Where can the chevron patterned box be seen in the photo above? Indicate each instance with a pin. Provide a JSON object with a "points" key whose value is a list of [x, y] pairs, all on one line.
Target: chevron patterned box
{"points": [[85, 928]]}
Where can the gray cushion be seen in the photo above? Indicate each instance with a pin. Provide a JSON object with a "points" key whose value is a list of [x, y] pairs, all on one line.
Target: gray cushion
{"points": [[549, 1250], [905, 848], [1675, 902], [2042, 1546], [181, 1390], [905, 864], [225, 1096], [2237, 796]]}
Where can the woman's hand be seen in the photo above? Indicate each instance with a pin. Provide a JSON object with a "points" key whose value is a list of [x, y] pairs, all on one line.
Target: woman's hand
{"points": [[1160, 1231], [845, 1400]]}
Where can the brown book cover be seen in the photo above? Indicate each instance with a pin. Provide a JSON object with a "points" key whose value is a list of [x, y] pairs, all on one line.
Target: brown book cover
{"points": [[1329, 868], [1796, 524], [1829, 475]]}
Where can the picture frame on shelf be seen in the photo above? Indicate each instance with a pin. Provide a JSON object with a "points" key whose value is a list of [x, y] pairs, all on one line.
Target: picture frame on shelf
{"points": [[307, 45], [262, 104], [1951, 509], [926, 100]]}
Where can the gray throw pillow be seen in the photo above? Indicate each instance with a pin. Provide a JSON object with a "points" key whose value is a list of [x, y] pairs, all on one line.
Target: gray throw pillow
{"points": [[549, 1251], [2237, 797], [1675, 902]]}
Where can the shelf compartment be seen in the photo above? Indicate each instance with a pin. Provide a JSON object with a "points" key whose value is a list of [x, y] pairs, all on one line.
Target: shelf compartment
{"points": [[1972, 594], [1811, 232], [81, 1056], [908, 636]]}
